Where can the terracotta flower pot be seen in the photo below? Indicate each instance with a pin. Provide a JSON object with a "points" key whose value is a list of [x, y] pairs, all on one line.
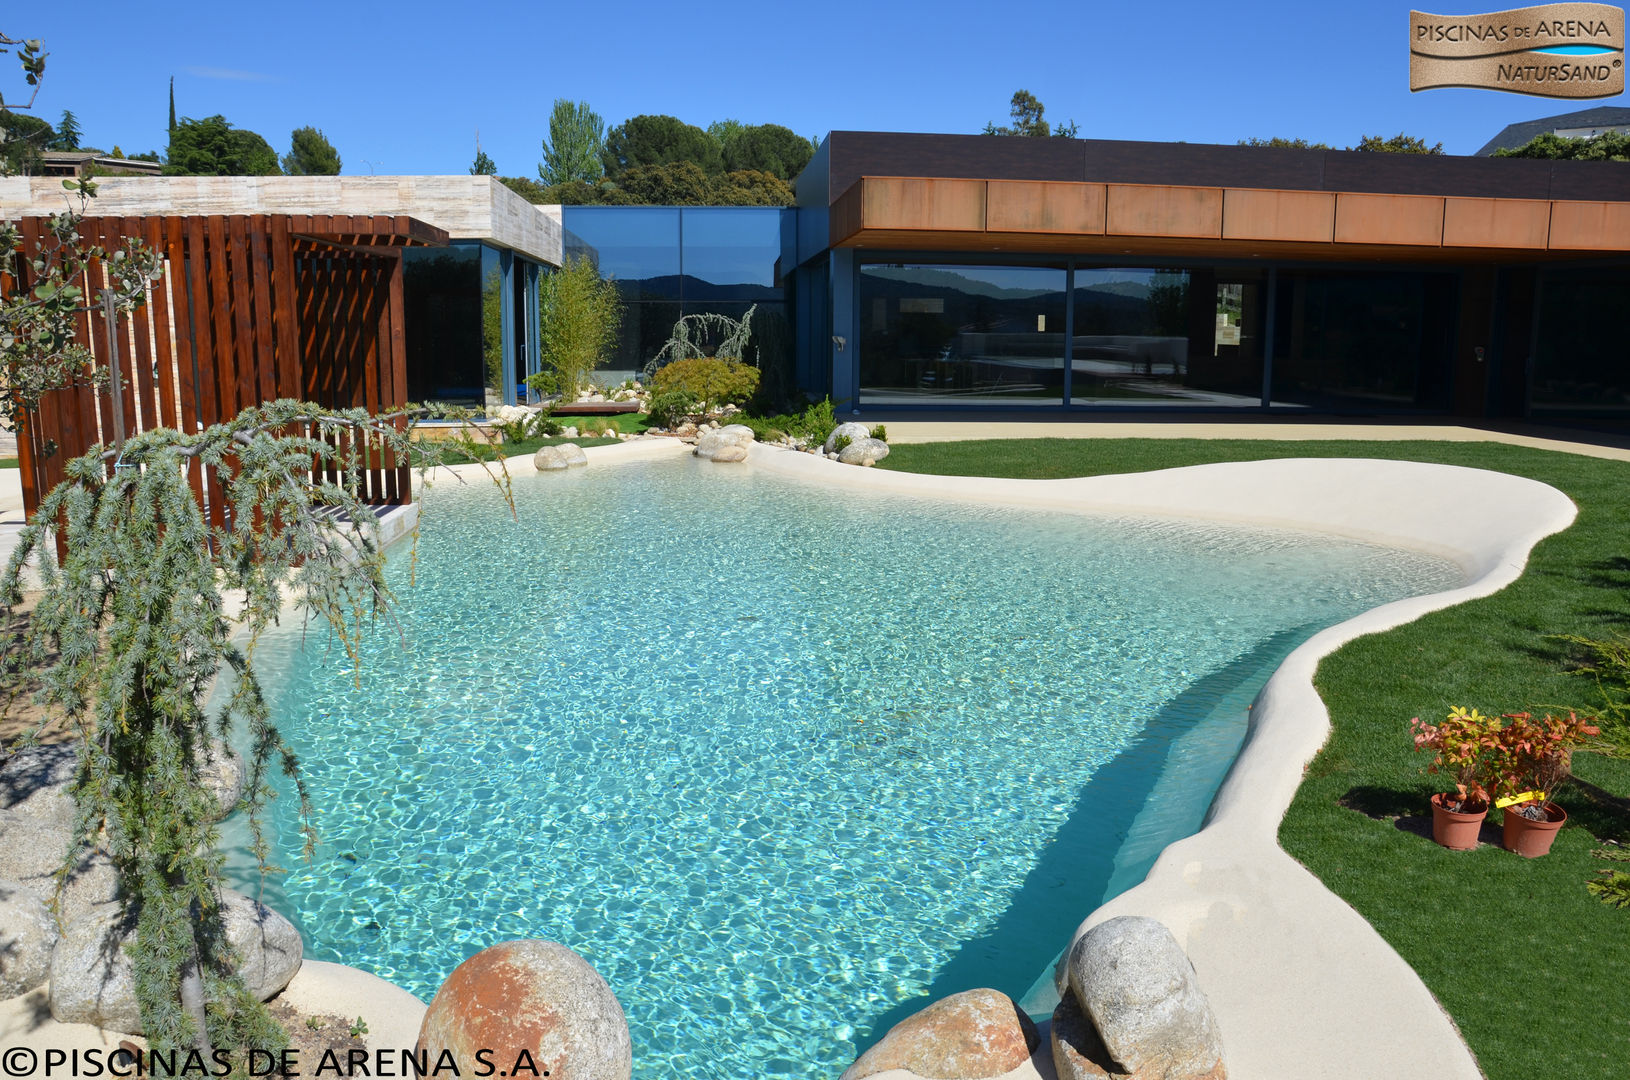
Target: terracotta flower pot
{"points": [[1531, 839], [1454, 830]]}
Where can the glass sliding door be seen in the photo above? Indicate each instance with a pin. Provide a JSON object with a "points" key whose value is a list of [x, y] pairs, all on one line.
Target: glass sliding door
{"points": [[968, 335]]}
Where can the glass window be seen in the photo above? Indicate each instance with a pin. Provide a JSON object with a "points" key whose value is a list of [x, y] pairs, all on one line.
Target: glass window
{"points": [[636, 245], [731, 253], [979, 335], [1370, 340], [442, 302], [1582, 356], [1167, 337]]}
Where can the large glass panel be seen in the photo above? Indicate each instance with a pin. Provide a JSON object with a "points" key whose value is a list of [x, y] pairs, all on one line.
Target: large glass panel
{"points": [[1131, 340], [494, 332], [636, 245], [731, 253], [975, 335], [1376, 341], [441, 291], [644, 327], [1582, 356]]}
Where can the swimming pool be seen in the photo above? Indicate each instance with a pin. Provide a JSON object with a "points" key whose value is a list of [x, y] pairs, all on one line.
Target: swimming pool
{"points": [[782, 763]]}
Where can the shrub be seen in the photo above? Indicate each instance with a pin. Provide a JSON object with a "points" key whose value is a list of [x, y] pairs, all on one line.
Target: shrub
{"points": [[841, 443], [708, 379], [880, 433], [579, 312], [673, 408]]}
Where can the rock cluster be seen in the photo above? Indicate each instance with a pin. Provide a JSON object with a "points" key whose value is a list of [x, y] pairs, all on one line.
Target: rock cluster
{"points": [[85, 962], [727, 443], [974, 1034], [534, 995], [566, 455], [858, 447], [1133, 1008]]}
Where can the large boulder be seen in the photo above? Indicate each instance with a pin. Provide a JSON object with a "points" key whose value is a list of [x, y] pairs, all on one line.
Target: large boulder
{"points": [[28, 933], [867, 451], [34, 783], [536, 995], [1078, 1052], [91, 977], [976, 1033], [728, 443], [32, 850], [558, 458], [851, 431], [1138, 988], [224, 774]]}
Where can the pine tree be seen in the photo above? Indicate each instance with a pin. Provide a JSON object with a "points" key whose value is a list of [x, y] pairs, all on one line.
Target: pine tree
{"points": [[483, 165], [68, 132]]}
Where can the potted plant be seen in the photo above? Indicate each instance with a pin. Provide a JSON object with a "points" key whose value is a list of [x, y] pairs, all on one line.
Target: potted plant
{"points": [[1531, 760], [1462, 744]]}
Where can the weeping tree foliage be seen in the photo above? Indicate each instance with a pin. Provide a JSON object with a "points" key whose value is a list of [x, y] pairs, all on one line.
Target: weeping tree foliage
{"points": [[694, 336], [129, 633]]}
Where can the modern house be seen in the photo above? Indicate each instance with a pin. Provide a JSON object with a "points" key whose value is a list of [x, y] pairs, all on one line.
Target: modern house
{"points": [[916, 271], [1584, 124]]}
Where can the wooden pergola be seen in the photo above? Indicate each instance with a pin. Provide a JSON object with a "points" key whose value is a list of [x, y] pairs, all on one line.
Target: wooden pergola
{"points": [[251, 308]]}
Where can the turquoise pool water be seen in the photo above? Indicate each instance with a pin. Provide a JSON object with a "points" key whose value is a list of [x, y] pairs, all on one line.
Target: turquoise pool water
{"points": [[780, 762]]}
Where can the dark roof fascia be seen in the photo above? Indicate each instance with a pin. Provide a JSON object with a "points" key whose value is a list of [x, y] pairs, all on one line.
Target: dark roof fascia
{"points": [[853, 154]]}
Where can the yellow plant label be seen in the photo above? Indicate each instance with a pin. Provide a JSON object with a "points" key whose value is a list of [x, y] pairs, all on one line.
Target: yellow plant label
{"points": [[1520, 797]]}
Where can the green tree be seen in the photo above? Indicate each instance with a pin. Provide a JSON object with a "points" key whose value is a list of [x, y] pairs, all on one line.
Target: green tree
{"points": [[1398, 144], [578, 318], [171, 128], [68, 132], [1608, 146], [577, 138], [1025, 112], [680, 183], [660, 140], [726, 132], [311, 154], [482, 165], [213, 147], [26, 138], [768, 148], [749, 187], [1279, 142]]}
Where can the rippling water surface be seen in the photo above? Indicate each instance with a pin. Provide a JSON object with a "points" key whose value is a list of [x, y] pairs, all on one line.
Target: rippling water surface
{"points": [[778, 761]]}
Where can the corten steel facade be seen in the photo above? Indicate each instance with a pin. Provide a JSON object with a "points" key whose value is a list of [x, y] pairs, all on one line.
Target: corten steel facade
{"points": [[980, 272], [250, 308]]}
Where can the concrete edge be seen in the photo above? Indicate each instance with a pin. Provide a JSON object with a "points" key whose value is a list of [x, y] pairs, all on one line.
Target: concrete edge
{"points": [[1303, 987]]}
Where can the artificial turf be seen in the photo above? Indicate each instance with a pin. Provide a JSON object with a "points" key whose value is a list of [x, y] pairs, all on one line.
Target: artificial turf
{"points": [[1531, 966]]}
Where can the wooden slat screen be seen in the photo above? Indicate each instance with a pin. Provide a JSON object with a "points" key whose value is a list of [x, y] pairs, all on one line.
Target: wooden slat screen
{"points": [[249, 309]]}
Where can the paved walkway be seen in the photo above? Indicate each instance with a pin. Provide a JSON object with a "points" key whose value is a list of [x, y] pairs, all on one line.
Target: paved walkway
{"points": [[904, 429]]}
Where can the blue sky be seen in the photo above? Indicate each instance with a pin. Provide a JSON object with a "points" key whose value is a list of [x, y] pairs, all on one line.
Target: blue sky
{"points": [[404, 87]]}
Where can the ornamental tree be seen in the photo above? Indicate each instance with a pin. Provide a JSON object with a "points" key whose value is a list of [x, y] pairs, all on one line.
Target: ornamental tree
{"points": [[579, 313], [310, 154]]}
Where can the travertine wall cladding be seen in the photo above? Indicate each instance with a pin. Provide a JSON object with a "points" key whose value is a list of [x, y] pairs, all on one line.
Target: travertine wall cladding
{"points": [[468, 207]]}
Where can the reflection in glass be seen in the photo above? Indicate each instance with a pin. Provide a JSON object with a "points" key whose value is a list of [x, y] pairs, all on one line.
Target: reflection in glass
{"points": [[492, 327], [731, 253], [636, 245], [1376, 340], [1582, 356], [442, 302], [1131, 343], [976, 334]]}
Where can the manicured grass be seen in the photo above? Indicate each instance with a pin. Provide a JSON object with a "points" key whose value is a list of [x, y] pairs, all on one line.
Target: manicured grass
{"points": [[1529, 964], [8, 463]]}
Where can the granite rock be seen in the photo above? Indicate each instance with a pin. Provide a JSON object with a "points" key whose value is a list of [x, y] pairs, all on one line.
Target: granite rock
{"points": [[537, 995], [867, 451], [92, 981], [1139, 990], [976, 1033], [852, 431], [28, 933]]}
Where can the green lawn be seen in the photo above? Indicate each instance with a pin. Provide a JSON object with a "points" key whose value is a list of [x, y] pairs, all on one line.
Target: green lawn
{"points": [[1535, 971]]}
